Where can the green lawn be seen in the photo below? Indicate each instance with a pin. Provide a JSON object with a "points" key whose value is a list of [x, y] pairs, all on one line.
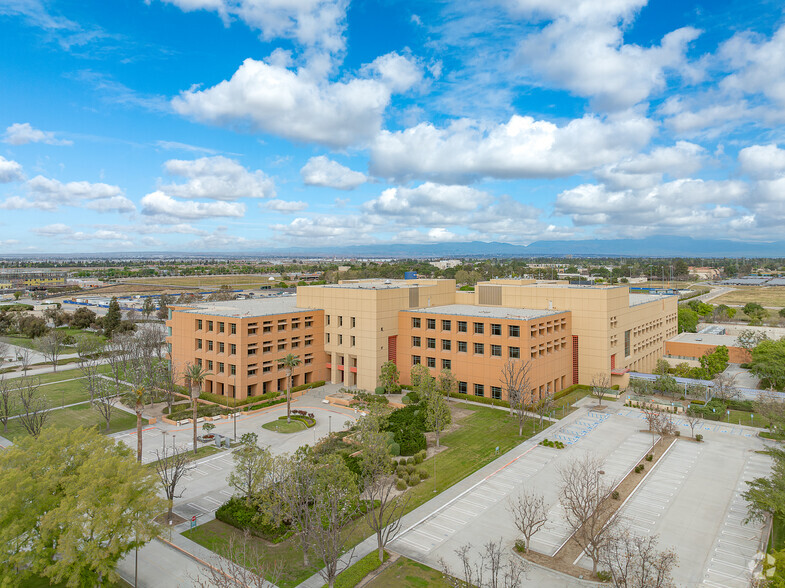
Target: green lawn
{"points": [[281, 426], [777, 538], [470, 447], [77, 416], [21, 341], [563, 406], [405, 573]]}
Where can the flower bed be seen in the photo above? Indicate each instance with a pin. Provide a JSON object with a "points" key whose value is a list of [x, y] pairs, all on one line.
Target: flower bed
{"points": [[302, 416]]}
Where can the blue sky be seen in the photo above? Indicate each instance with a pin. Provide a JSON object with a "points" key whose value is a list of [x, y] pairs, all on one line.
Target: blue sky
{"points": [[246, 125]]}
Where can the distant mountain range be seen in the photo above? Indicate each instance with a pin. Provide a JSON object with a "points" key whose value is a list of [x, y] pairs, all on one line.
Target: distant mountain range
{"points": [[657, 246]]}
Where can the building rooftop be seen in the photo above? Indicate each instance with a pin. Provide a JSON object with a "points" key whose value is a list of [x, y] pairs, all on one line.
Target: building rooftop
{"points": [[245, 308], [499, 312], [705, 339], [636, 299], [374, 284]]}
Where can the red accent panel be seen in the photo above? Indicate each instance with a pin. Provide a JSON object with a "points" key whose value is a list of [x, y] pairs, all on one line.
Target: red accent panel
{"points": [[340, 367], [353, 370], [575, 359], [613, 361], [392, 348], [329, 366]]}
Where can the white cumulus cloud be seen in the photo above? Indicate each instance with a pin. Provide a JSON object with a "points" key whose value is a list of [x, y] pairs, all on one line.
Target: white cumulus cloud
{"points": [[763, 161], [10, 171], [322, 171], [22, 133], [217, 178], [48, 194], [167, 208], [285, 206]]}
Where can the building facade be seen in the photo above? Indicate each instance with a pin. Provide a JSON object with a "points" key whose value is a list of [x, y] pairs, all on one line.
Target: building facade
{"points": [[345, 332]]}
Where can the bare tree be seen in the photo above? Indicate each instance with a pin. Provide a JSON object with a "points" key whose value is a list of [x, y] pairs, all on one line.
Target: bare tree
{"points": [[692, 417], [516, 380], [7, 402], [586, 498], [660, 423], [724, 386], [104, 398], [51, 346], [89, 350], [378, 486], [544, 407], [529, 513], [295, 492], [600, 384], [487, 568], [171, 465], [4, 348], [35, 408], [225, 572], [634, 561], [25, 359]]}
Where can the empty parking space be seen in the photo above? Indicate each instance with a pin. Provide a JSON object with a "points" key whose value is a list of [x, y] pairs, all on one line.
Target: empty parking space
{"points": [[580, 427], [732, 558]]}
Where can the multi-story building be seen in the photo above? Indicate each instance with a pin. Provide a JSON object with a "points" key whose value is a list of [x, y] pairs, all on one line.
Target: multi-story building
{"points": [[345, 332], [241, 342]]}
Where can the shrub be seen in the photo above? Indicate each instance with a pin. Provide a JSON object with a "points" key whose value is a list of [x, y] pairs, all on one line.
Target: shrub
{"points": [[410, 461], [677, 433], [650, 457], [414, 397], [414, 479], [699, 437], [520, 546], [615, 494], [418, 457], [423, 473], [698, 402], [409, 468], [395, 449], [406, 399], [237, 513], [400, 484], [638, 469], [642, 466], [603, 576], [400, 471], [411, 440], [379, 390]]}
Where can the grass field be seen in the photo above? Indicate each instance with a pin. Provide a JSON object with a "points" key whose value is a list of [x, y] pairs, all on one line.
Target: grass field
{"points": [[238, 280], [281, 426], [470, 447], [405, 573], [28, 343], [763, 295], [76, 416], [61, 388]]}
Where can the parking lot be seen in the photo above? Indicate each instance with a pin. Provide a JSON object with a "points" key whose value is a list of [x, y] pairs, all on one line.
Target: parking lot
{"points": [[691, 499]]}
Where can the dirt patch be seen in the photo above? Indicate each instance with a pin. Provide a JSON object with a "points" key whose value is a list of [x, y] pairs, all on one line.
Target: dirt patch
{"points": [[458, 412], [176, 519]]}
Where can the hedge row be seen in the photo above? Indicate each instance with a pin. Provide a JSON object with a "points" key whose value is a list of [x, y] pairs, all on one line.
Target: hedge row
{"points": [[223, 400], [237, 513], [296, 417]]}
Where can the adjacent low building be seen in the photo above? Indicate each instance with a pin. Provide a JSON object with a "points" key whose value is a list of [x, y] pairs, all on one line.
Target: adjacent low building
{"points": [[345, 332], [693, 346]]}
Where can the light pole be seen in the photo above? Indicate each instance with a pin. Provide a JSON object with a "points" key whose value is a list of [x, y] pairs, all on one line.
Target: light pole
{"points": [[330, 424], [163, 440]]}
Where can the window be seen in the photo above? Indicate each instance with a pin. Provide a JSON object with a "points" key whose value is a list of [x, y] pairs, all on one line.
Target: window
{"points": [[446, 345], [267, 367], [479, 390], [446, 325], [462, 327], [354, 322], [169, 331], [479, 348], [308, 322], [232, 349], [308, 359], [479, 328], [232, 370], [340, 339], [415, 322], [430, 323], [198, 362], [416, 341], [463, 387], [268, 347], [209, 346], [209, 365], [232, 328], [340, 320], [626, 343], [462, 347], [220, 327], [252, 330], [430, 362], [515, 352], [309, 340], [252, 351], [295, 343], [198, 324], [446, 364], [496, 329], [267, 329], [220, 367], [430, 343], [515, 331], [415, 359], [354, 340], [328, 319], [281, 327], [281, 345], [327, 337], [220, 347], [252, 371], [295, 324], [209, 325], [496, 392], [496, 350], [198, 343]]}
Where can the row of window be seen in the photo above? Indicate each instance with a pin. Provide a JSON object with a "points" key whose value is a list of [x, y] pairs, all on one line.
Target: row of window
{"points": [[282, 324], [352, 320], [267, 346], [479, 390], [222, 368], [221, 326], [352, 339], [463, 327], [463, 347]]}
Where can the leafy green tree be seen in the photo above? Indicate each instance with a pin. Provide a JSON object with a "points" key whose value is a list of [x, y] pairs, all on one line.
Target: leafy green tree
{"points": [[82, 318], [72, 504], [419, 372], [667, 384], [289, 362], [389, 376], [113, 317], [701, 308], [148, 308], [252, 466], [756, 312], [437, 413], [766, 496], [768, 362], [782, 312], [163, 307], [714, 362], [688, 320]]}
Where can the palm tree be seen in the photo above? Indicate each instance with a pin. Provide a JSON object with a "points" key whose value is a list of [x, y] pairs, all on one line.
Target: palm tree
{"points": [[136, 397], [195, 375], [289, 362]]}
